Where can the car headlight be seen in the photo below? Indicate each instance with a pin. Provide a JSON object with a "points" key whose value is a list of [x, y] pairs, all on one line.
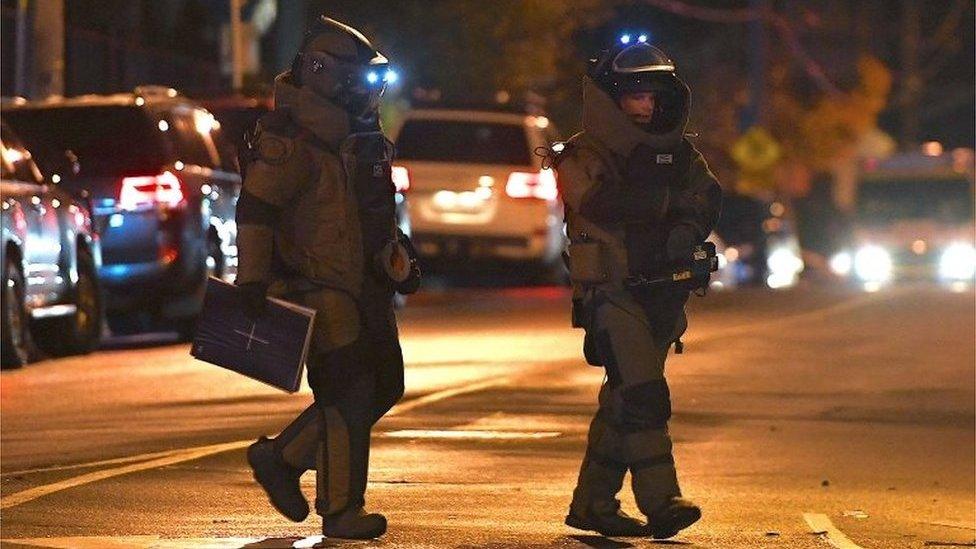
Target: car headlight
{"points": [[783, 261], [784, 266], [958, 262], [872, 264], [841, 264]]}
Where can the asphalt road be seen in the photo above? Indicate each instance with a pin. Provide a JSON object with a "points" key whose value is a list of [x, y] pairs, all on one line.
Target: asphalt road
{"points": [[803, 418]]}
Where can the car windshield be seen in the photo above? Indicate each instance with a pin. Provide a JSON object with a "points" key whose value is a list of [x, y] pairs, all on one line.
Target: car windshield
{"points": [[466, 142], [884, 200], [111, 140]]}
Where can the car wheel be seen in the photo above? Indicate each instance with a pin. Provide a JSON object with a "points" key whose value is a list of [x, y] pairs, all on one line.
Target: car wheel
{"points": [[129, 323], [80, 332], [15, 323]]}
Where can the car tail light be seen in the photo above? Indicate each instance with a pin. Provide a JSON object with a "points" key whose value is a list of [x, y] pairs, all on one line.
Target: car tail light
{"points": [[540, 185], [163, 190], [401, 179]]}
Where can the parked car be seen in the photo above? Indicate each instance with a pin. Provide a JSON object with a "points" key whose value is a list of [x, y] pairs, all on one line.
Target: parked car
{"points": [[164, 184], [50, 256], [476, 188]]}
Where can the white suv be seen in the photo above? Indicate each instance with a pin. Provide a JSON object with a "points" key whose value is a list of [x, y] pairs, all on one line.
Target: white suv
{"points": [[476, 188]]}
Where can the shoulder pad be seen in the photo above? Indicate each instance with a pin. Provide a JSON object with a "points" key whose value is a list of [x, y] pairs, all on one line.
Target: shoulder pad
{"points": [[273, 148]]}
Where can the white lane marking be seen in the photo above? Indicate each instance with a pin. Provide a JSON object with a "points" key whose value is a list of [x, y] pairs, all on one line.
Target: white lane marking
{"points": [[188, 454], [178, 457], [113, 461], [821, 524], [445, 394], [475, 435], [816, 314], [155, 542]]}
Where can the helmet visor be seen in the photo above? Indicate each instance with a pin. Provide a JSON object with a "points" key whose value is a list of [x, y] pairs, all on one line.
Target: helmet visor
{"points": [[642, 58]]}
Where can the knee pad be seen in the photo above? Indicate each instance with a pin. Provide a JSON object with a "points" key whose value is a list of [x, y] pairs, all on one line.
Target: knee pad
{"points": [[647, 405]]}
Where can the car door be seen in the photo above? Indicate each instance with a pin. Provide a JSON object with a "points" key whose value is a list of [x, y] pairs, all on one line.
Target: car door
{"points": [[42, 244]]}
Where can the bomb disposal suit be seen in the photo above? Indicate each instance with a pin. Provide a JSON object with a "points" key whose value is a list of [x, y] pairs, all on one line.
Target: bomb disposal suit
{"points": [[317, 226], [638, 198]]}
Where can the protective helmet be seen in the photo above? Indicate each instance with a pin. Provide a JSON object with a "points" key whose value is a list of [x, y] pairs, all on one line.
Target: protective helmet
{"points": [[338, 63], [640, 67]]}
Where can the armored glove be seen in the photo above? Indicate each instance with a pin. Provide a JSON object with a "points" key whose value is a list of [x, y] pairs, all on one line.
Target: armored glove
{"points": [[253, 297], [681, 243], [398, 263]]}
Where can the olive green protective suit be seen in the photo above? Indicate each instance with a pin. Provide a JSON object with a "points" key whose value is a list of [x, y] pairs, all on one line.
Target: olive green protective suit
{"points": [[625, 190], [316, 207]]}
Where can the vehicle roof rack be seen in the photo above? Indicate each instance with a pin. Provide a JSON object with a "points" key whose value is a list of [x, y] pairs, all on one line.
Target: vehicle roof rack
{"points": [[155, 91]]}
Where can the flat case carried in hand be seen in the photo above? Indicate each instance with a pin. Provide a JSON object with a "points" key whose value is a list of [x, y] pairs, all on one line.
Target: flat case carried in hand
{"points": [[271, 349]]}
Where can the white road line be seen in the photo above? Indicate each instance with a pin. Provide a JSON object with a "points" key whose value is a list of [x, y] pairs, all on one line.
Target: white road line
{"points": [[470, 435], [821, 524], [162, 459], [156, 542], [178, 457], [113, 461]]}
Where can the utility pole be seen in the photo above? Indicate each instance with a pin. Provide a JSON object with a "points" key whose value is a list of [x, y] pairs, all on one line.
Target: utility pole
{"points": [[911, 79], [758, 43], [21, 57], [236, 47], [47, 78]]}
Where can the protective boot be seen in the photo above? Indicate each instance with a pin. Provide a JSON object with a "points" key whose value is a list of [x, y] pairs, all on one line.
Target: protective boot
{"points": [[607, 519], [281, 482], [595, 506], [354, 523], [674, 515]]}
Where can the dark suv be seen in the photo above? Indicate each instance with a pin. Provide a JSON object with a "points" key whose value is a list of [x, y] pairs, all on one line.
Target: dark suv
{"points": [[50, 255], [163, 183]]}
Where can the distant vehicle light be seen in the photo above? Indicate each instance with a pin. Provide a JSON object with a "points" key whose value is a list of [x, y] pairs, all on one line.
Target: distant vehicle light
{"points": [[932, 148], [841, 264], [163, 126], [401, 179], [164, 190], [204, 122], [540, 185], [785, 266], [873, 264], [731, 254], [958, 262]]}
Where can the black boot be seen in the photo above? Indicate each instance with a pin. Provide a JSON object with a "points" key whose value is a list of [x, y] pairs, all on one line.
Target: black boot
{"points": [[674, 515], [280, 481], [354, 524], [607, 520]]}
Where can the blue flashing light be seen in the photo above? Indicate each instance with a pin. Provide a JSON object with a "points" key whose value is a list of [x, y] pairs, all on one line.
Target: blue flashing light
{"points": [[391, 76], [625, 39], [642, 38], [372, 77]]}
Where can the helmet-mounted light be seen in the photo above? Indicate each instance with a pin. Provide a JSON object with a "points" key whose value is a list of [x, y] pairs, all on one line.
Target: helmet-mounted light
{"points": [[625, 39]]}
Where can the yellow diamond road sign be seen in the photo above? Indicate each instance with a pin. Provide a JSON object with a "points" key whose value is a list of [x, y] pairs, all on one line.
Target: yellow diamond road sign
{"points": [[756, 150]]}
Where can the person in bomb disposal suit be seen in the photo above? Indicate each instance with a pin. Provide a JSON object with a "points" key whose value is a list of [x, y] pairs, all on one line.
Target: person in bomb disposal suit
{"points": [[317, 226], [638, 198]]}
